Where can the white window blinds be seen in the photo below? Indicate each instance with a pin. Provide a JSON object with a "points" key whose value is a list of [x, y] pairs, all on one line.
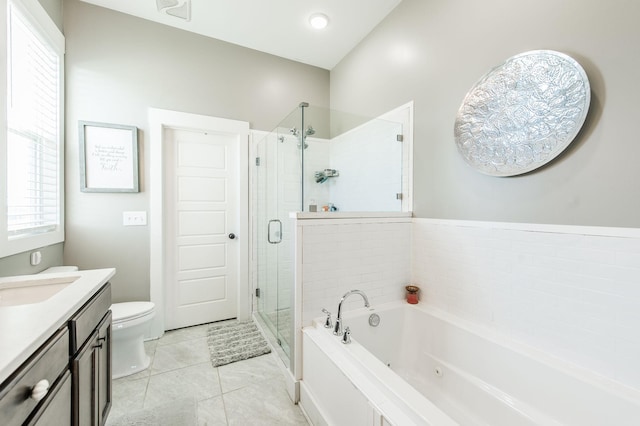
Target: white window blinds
{"points": [[33, 130]]}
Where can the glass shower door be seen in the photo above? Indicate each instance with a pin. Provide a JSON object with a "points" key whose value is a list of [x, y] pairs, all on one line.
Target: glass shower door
{"points": [[278, 182]]}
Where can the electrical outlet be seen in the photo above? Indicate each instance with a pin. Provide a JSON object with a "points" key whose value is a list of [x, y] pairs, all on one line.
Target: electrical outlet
{"points": [[134, 218], [36, 258]]}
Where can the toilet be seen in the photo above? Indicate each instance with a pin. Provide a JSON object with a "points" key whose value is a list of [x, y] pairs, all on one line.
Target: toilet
{"points": [[129, 324]]}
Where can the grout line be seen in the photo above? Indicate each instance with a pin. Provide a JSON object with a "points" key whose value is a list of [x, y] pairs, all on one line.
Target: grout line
{"points": [[224, 406], [148, 377]]}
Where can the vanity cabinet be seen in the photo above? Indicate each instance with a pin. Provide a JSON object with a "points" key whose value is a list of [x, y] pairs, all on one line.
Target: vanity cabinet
{"points": [[67, 381]]}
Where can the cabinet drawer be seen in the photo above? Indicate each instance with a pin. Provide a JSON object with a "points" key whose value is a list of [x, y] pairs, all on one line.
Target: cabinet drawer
{"points": [[87, 318], [56, 410], [48, 362]]}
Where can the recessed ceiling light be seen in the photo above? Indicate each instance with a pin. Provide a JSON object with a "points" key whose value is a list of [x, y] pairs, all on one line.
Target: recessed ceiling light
{"points": [[319, 20]]}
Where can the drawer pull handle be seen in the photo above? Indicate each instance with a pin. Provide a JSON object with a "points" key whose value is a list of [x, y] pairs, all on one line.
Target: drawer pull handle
{"points": [[40, 390]]}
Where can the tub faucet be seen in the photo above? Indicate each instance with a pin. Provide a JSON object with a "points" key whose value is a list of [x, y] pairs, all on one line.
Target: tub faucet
{"points": [[337, 330]]}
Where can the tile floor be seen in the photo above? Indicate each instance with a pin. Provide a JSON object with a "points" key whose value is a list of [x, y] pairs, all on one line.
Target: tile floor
{"points": [[250, 392]]}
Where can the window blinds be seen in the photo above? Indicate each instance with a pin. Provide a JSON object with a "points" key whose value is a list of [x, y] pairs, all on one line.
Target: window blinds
{"points": [[33, 133]]}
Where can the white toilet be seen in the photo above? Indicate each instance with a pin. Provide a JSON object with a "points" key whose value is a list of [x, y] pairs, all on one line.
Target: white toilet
{"points": [[129, 325], [130, 321]]}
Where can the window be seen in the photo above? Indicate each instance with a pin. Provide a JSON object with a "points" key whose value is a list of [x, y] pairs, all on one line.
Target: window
{"points": [[33, 216]]}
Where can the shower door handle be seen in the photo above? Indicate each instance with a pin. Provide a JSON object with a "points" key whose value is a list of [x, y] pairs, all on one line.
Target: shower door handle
{"points": [[277, 233]]}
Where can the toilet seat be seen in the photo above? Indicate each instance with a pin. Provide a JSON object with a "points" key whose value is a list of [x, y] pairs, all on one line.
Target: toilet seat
{"points": [[128, 311]]}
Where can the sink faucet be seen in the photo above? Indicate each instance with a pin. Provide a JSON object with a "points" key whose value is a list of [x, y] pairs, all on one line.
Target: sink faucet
{"points": [[337, 330]]}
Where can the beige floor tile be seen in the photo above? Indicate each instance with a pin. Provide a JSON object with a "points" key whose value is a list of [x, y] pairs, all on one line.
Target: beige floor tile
{"points": [[179, 355], [211, 412], [184, 334], [200, 381], [266, 404], [254, 389], [244, 373], [127, 395]]}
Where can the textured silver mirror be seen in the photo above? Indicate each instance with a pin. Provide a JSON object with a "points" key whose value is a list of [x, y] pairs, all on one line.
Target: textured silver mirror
{"points": [[523, 113]]}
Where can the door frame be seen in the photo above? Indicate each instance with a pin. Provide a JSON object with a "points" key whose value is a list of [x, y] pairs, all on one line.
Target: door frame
{"points": [[159, 119]]}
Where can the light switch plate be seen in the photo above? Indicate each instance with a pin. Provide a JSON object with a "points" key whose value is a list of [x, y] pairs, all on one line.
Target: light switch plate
{"points": [[134, 218]]}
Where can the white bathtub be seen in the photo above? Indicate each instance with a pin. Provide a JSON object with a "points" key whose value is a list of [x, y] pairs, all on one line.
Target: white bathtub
{"points": [[424, 367]]}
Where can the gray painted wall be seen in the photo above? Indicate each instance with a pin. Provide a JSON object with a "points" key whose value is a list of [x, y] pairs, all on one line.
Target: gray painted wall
{"points": [[434, 51], [20, 264], [117, 67], [54, 9]]}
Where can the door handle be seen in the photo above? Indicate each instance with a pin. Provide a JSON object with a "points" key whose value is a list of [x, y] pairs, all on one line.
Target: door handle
{"points": [[232, 236], [278, 233]]}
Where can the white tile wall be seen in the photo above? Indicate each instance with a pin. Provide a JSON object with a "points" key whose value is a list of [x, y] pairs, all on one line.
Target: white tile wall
{"points": [[347, 254], [562, 290]]}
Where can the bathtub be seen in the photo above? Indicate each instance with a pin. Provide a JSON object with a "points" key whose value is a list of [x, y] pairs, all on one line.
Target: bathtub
{"points": [[421, 366]]}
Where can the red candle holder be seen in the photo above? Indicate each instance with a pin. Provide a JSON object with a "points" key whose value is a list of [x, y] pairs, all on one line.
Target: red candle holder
{"points": [[412, 294]]}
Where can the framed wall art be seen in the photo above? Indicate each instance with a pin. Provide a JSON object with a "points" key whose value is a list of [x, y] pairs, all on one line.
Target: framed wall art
{"points": [[108, 157]]}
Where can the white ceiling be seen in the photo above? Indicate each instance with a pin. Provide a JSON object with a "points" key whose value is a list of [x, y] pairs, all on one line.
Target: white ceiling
{"points": [[279, 27]]}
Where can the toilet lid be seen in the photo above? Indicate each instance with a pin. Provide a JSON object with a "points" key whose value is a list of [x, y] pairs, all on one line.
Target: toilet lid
{"points": [[130, 310]]}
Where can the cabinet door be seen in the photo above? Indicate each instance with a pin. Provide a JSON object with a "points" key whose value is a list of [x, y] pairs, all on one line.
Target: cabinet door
{"points": [[85, 377], [104, 368], [92, 377]]}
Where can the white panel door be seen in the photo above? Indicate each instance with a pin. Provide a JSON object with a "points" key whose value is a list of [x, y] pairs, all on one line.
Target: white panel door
{"points": [[201, 207]]}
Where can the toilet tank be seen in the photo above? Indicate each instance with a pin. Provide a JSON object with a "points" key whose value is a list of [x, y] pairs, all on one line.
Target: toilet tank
{"points": [[54, 269]]}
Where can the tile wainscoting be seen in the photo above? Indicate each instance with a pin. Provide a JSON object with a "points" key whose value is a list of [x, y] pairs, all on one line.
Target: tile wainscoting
{"points": [[572, 292], [342, 254]]}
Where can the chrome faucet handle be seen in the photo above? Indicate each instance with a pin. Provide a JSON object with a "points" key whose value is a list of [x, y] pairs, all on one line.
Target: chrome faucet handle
{"points": [[346, 337], [327, 323]]}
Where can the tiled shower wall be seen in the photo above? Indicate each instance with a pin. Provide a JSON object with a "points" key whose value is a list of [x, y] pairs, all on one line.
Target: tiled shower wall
{"points": [[568, 291], [338, 255]]}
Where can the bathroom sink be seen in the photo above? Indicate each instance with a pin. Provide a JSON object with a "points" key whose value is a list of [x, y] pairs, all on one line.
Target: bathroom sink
{"points": [[25, 292]]}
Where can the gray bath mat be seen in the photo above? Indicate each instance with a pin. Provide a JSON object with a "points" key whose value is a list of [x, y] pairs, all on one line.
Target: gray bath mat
{"points": [[232, 341], [182, 412]]}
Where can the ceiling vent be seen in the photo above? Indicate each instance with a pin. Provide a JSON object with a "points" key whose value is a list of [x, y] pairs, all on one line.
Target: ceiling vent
{"points": [[178, 8]]}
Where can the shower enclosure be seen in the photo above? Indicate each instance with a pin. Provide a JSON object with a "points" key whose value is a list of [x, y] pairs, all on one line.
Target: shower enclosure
{"points": [[317, 161]]}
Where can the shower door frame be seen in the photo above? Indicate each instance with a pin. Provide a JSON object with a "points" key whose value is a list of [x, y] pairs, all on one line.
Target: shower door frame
{"points": [[271, 156], [402, 114]]}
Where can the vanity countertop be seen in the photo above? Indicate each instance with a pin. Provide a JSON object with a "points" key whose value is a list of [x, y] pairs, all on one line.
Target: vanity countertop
{"points": [[23, 328]]}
